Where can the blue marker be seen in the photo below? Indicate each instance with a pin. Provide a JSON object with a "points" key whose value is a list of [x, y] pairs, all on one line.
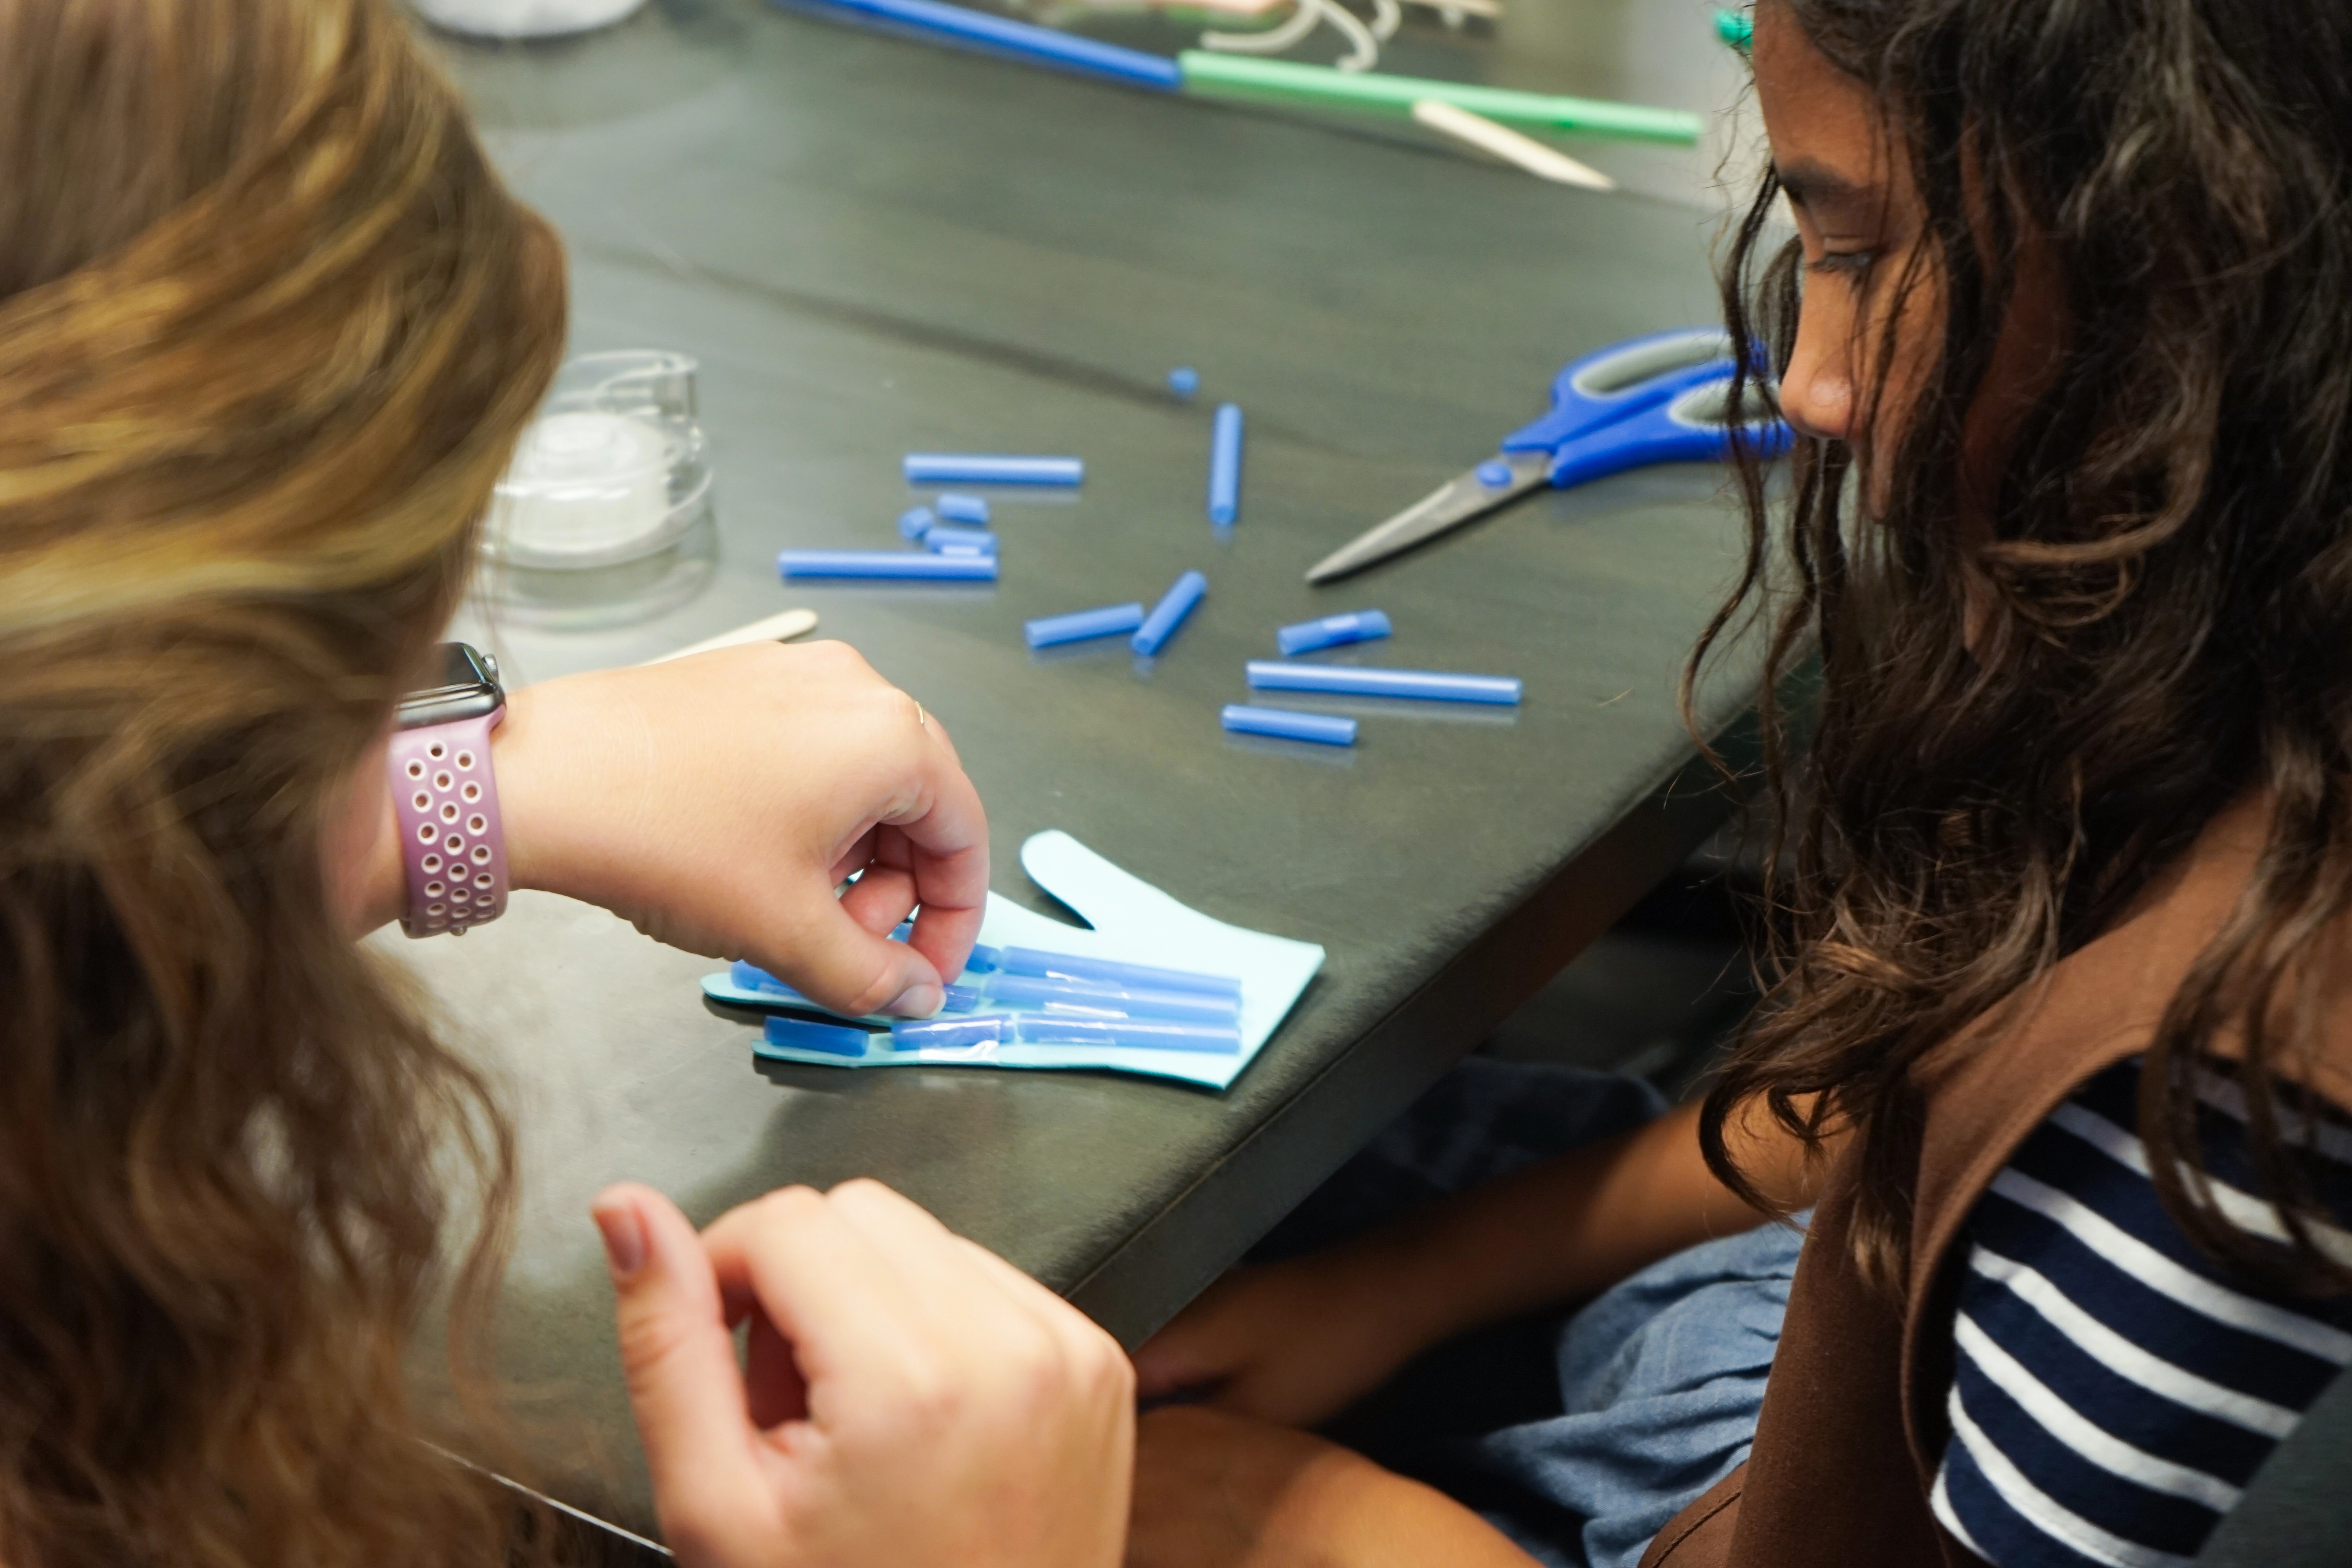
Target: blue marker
{"points": [[1036, 1029], [1110, 972], [1113, 1000], [1331, 631], [797, 564], [954, 1033], [1109, 621], [945, 541], [833, 1039], [984, 959], [1170, 613], [1325, 729], [1439, 685], [956, 508], [1225, 466], [913, 525], [960, 26], [1184, 381], [988, 467]]}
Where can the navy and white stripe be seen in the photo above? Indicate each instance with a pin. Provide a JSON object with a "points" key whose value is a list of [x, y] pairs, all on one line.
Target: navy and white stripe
{"points": [[2114, 1392]]}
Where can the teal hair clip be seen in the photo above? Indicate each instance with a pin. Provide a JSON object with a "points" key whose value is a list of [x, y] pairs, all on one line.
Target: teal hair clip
{"points": [[1737, 28]]}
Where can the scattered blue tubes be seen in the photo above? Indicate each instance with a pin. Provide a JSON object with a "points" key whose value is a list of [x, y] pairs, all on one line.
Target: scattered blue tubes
{"points": [[1439, 685], [940, 537], [984, 959], [1331, 631], [1039, 1029], [955, 508], [1323, 728], [1080, 624], [1184, 381], [803, 1035], [1225, 466], [796, 564], [1195, 1007], [958, 999], [914, 524], [1110, 972], [990, 467], [1170, 613], [953, 1033]]}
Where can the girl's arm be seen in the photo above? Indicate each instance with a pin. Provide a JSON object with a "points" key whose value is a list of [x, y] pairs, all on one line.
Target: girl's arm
{"points": [[1296, 1341]]}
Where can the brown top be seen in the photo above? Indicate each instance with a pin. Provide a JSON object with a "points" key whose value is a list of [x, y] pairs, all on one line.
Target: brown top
{"points": [[1853, 1426]]}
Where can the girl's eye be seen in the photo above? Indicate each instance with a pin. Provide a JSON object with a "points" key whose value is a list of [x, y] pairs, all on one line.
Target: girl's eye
{"points": [[1842, 263]]}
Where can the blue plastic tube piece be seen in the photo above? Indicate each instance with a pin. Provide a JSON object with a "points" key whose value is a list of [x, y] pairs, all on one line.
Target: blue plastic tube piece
{"points": [[954, 507], [1043, 1029], [1114, 1001], [914, 524], [1439, 685], [983, 32], [1110, 972], [1225, 465], [798, 564], [1323, 728], [958, 999], [1170, 613], [803, 1035], [750, 978], [1184, 381], [1080, 624], [990, 468], [984, 959], [1331, 631], [945, 540], [954, 1033]]}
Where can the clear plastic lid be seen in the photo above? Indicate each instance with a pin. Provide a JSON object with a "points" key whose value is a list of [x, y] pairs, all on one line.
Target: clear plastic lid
{"points": [[614, 467], [524, 18]]}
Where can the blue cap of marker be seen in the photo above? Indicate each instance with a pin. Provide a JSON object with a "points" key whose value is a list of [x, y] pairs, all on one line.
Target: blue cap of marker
{"points": [[803, 1035], [1323, 728], [1331, 631], [1080, 624], [1170, 613], [956, 508], [796, 564]]}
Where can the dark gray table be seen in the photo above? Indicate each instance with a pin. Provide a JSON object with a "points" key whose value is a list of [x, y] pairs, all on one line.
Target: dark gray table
{"points": [[874, 247]]}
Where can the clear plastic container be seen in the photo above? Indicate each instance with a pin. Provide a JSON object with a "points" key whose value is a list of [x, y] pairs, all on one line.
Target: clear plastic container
{"points": [[524, 18], [604, 514]]}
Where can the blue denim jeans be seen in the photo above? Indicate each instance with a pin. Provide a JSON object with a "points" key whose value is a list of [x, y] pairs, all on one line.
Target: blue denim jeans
{"points": [[1578, 1433]]}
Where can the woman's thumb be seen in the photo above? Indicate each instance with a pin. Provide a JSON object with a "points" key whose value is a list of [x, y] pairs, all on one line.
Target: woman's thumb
{"points": [[679, 1359]]}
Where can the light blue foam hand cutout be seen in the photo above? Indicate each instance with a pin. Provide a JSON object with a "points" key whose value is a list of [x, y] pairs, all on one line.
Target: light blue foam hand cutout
{"points": [[1134, 922]]}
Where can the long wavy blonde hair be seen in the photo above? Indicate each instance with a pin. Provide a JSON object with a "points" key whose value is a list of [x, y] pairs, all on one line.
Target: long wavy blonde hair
{"points": [[269, 329]]}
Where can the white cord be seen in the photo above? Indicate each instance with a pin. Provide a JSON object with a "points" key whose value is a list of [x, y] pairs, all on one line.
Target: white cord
{"points": [[1272, 41], [1388, 15], [1367, 52]]}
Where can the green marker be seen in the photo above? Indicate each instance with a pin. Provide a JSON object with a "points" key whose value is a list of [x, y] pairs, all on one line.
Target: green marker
{"points": [[1737, 28], [1247, 76]]}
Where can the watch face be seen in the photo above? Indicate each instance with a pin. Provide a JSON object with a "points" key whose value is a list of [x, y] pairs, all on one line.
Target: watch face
{"points": [[464, 686]]}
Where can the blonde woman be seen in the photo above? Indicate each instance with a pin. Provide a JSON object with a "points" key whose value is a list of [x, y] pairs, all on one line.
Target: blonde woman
{"points": [[268, 328]]}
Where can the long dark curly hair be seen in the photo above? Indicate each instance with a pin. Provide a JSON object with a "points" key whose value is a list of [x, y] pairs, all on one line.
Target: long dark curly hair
{"points": [[2012, 733], [269, 329]]}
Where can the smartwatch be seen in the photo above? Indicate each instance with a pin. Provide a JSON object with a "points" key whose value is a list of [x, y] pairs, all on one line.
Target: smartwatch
{"points": [[446, 798]]}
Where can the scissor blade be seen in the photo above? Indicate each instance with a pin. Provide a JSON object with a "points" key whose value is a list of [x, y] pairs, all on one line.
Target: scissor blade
{"points": [[1463, 499]]}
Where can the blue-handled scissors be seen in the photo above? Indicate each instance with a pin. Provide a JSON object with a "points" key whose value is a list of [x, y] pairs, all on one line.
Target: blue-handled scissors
{"points": [[1663, 398]]}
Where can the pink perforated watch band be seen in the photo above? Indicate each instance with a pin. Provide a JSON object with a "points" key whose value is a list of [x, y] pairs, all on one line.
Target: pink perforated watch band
{"points": [[451, 839]]}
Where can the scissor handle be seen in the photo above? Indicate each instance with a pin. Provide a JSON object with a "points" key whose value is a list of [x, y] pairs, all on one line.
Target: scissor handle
{"points": [[1694, 426], [1623, 379]]}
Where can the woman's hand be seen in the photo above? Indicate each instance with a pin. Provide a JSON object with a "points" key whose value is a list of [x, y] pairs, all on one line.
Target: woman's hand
{"points": [[717, 802], [909, 1399], [1295, 1341], [1213, 1491]]}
